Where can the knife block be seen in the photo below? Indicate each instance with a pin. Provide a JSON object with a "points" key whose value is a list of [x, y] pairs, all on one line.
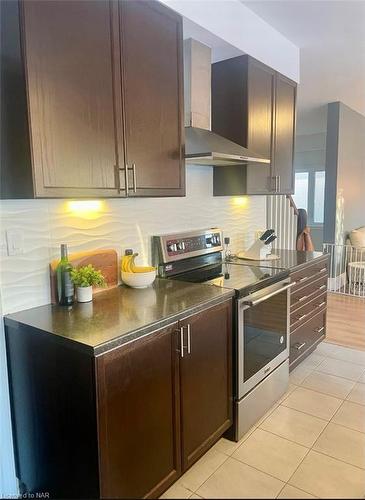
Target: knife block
{"points": [[258, 251]]}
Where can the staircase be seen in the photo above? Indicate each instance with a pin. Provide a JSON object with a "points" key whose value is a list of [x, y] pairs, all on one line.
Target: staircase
{"points": [[282, 215]]}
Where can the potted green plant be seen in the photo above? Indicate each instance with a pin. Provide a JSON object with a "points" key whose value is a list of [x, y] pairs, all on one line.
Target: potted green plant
{"points": [[84, 278]]}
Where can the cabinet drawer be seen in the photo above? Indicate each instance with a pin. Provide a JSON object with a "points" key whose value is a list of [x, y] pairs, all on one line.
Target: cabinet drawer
{"points": [[307, 335], [302, 314], [312, 272], [302, 296]]}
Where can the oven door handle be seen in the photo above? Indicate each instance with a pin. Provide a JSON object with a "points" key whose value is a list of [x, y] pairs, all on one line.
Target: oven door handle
{"points": [[253, 303]]}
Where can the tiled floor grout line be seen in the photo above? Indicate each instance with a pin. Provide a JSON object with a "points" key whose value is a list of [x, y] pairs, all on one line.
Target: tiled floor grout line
{"points": [[287, 482], [210, 475], [309, 449]]}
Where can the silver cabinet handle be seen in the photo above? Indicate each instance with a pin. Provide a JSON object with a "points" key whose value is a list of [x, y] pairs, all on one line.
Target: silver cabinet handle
{"points": [[189, 338], [299, 318], [322, 287], [319, 330], [299, 345], [182, 341], [321, 304], [266, 297], [322, 270], [302, 298], [134, 178], [125, 170], [305, 278]]}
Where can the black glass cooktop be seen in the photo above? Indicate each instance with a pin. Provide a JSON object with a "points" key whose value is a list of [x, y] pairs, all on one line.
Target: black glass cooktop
{"points": [[243, 279]]}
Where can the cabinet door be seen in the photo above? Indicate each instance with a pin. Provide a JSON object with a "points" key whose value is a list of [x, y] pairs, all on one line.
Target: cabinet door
{"points": [[138, 407], [260, 109], [206, 380], [72, 68], [284, 134], [153, 98]]}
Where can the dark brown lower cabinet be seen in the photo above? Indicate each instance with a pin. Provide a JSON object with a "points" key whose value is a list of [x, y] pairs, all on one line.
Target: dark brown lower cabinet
{"points": [[126, 423], [308, 310], [138, 416], [205, 381]]}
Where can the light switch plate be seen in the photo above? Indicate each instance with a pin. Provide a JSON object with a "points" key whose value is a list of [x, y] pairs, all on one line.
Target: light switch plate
{"points": [[15, 242]]}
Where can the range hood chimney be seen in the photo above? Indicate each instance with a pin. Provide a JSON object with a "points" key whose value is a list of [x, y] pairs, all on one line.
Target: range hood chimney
{"points": [[202, 146]]}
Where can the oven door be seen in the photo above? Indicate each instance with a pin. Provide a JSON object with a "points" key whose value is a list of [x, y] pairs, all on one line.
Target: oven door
{"points": [[263, 334]]}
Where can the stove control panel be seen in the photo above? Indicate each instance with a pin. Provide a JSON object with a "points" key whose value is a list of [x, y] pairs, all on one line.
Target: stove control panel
{"points": [[167, 248], [187, 245]]}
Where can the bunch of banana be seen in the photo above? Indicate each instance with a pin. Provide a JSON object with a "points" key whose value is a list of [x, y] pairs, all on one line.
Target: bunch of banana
{"points": [[129, 266]]}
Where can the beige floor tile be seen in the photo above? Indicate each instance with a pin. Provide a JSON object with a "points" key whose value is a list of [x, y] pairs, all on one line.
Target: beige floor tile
{"points": [[299, 374], [362, 379], [228, 447], [312, 361], [327, 477], [342, 443], [237, 480], [292, 492], [328, 384], [357, 395], [202, 469], [194, 495], [294, 425], [326, 349], [176, 491], [270, 453], [343, 353], [351, 415], [313, 402], [341, 368], [291, 388]]}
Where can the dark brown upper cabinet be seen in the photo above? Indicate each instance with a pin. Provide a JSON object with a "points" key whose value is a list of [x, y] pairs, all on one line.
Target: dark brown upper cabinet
{"points": [[254, 106], [99, 99], [153, 97]]}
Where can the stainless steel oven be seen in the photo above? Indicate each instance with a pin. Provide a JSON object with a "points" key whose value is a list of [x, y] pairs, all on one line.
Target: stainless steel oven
{"points": [[262, 302], [262, 352]]}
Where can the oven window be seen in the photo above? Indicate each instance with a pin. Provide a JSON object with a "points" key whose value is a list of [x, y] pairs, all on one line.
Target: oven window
{"points": [[265, 333]]}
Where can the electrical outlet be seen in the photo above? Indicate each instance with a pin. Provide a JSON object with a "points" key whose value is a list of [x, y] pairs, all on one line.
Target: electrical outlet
{"points": [[14, 242]]}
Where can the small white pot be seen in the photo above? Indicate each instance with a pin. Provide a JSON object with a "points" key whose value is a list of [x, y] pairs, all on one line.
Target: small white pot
{"points": [[84, 293]]}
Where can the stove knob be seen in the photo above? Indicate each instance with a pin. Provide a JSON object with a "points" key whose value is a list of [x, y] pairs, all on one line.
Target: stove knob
{"points": [[172, 247]]}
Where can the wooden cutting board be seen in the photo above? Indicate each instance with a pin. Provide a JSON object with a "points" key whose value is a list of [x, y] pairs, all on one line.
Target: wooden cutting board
{"points": [[105, 261]]}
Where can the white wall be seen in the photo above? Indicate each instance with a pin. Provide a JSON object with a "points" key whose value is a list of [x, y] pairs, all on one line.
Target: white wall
{"points": [[120, 224], [345, 172], [237, 25]]}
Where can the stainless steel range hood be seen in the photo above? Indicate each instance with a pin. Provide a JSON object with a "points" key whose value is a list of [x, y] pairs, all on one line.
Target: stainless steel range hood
{"points": [[202, 146]]}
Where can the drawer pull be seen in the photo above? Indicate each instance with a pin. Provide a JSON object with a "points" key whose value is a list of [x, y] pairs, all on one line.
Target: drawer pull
{"points": [[322, 270], [299, 318], [299, 345], [321, 304], [300, 299], [322, 287], [319, 330], [305, 278]]}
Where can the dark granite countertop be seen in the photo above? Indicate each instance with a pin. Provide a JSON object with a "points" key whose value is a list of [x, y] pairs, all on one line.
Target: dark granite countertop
{"points": [[121, 314], [289, 259]]}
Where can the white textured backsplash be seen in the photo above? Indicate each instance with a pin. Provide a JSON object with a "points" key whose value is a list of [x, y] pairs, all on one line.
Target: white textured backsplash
{"points": [[119, 224]]}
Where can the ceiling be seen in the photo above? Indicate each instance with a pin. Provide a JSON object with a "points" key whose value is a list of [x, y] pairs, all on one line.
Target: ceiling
{"points": [[331, 37], [220, 48]]}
